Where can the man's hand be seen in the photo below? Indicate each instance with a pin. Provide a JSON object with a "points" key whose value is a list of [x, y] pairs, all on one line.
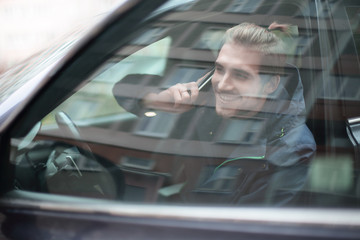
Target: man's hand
{"points": [[178, 98]]}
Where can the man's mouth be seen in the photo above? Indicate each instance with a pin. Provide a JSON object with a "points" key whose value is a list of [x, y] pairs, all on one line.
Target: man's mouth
{"points": [[227, 97]]}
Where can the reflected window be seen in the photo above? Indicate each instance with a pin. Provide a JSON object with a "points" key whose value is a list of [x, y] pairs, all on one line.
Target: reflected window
{"points": [[183, 74], [159, 126], [302, 43], [149, 36], [210, 39], [320, 10], [241, 131], [342, 88], [244, 6]]}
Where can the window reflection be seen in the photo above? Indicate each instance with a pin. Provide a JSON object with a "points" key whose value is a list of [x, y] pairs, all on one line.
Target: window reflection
{"points": [[182, 74], [244, 6], [241, 131], [149, 36], [210, 39], [156, 126]]}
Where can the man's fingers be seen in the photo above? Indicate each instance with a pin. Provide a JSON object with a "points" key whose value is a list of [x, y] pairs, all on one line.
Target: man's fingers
{"points": [[185, 93], [194, 91], [177, 96]]}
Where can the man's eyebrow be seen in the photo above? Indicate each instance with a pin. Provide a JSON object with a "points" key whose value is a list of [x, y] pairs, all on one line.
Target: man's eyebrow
{"points": [[235, 70], [242, 72]]}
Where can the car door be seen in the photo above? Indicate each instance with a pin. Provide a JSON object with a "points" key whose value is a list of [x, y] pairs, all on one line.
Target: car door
{"points": [[85, 159]]}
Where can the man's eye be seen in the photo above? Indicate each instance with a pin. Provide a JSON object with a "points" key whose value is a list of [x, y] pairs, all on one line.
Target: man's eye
{"points": [[241, 76], [219, 69]]}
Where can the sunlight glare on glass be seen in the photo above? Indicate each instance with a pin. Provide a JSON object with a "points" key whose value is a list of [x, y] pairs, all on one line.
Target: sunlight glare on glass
{"points": [[150, 114]]}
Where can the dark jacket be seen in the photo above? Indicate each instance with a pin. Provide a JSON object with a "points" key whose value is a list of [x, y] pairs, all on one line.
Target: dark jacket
{"points": [[272, 173]]}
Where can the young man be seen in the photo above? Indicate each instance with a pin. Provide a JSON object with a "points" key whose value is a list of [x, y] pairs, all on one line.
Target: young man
{"points": [[246, 84]]}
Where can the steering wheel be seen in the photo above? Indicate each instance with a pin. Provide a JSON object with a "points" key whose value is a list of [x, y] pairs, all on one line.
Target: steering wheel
{"points": [[67, 125], [75, 169]]}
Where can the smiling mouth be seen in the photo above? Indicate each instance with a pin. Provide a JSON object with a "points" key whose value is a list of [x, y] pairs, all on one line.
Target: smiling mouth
{"points": [[226, 97]]}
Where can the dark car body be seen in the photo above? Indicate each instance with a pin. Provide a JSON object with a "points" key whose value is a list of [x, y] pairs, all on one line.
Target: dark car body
{"points": [[79, 161]]}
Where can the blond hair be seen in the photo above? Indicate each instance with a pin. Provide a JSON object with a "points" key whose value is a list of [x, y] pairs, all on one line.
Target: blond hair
{"points": [[262, 40]]}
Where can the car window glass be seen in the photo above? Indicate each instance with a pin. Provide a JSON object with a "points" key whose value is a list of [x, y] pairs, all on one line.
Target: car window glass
{"points": [[264, 131], [90, 100]]}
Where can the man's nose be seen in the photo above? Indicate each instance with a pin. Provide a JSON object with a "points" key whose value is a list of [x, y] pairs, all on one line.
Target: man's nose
{"points": [[225, 83]]}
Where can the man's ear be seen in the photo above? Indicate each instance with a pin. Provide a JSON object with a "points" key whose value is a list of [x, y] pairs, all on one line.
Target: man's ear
{"points": [[272, 84]]}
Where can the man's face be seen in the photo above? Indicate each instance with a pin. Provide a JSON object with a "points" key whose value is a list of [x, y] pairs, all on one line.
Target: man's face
{"points": [[239, 91]]}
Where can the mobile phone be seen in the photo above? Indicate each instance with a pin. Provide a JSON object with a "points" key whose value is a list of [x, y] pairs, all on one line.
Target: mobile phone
{"points": [[206, 79]]}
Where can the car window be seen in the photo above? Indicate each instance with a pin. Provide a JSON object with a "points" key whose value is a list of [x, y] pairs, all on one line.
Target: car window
{"points": [[276, 128]]}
